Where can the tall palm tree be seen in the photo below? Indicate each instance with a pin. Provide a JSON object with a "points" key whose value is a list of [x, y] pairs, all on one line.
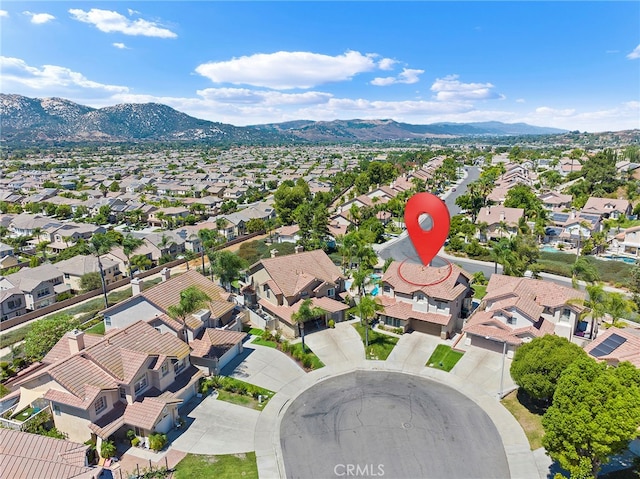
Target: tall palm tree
{"points": [[305, 313], [191, 300], [367, 307], [98, 245], [129, 244]]}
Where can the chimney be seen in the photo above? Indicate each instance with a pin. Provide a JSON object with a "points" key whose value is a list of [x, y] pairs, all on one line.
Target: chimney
{"points": [[298, 248], [76, 341], [488, 211], [502, 216], [274, 253], [136, 286], [165, 274]]}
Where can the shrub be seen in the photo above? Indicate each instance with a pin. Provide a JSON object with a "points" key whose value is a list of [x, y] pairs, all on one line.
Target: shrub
{"points": [[332, 323], [135, 441], [398, 330], [108, 449], [157, 441], [131, 434], [307, 362], [285, 347]]}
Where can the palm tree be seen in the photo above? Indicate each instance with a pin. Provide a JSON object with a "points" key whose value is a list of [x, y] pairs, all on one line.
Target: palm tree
{"points": [[617, 305], [129, 244], [367, 307], [305, 313], [98, 245], [191, 300]]}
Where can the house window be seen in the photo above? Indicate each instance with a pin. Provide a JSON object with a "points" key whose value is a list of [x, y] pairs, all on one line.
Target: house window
{"points": [[14, 303], [140, 384], [566, 314], [331, 292], [43, 292], [178, 366], [511, 320], [107, 320], [386, 288], [165, 368], [101, 404], [394, 322], [67, 276], [56, 409]]}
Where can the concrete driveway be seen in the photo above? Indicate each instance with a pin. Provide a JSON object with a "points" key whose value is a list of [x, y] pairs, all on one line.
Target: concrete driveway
{"points": [[484, 368], [338, 346], [263, 366], [218, 427], [412, 351]]}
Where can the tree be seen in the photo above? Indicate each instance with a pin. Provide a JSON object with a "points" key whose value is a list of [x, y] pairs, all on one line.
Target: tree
{"points": [[45, 333], [90, 281], [129, 244], [226, 266], [594, 415], [98, 245], [140, 261], [305, 313], [522, 196], [191, 300], [255, 225], [287, 198], [583, 270], [537, 365], [617, 306], [368, 307]]}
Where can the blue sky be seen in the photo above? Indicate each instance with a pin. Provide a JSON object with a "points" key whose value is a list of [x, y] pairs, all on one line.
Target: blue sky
{"points": [[573, 65]]}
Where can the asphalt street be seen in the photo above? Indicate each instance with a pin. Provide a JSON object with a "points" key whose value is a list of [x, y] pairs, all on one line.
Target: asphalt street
{"points": [[374, 423]]}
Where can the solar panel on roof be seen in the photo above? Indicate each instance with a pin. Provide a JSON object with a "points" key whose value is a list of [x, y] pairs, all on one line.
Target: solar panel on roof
{"points": [[607, 346], [560, 217]]}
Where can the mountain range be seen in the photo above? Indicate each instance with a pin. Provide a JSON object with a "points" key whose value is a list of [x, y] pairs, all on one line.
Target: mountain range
{"points": [[28, 120]]}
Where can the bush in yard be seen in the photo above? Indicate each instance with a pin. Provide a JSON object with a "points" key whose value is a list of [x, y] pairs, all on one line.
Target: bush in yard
{"points": [[108, 449], [131, 434], [332, 323], [157, 441], [307, 362], [135, 442]]}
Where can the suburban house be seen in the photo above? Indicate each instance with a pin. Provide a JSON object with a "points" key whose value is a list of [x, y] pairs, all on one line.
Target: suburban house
{"points": [[66, 235], [27, 456], [555, 201], [97, 387], [40, 285], [12, 303], [7, 256], [501, 222], [627, 242], [278, 286], [73, 269], [424, 298], [516, 310], [616, 345], [607, 207], [577, 227]]}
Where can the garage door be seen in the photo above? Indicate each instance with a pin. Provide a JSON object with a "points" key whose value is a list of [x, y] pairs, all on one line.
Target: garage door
{"points": [[484, 343], [426, 327]]}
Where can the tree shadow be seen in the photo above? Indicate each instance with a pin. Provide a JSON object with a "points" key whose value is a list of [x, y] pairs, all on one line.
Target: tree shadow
{"points": [[534, 406]]}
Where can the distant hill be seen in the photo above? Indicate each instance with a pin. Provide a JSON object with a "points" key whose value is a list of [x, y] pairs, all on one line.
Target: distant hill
{"points": [[24, 119]]}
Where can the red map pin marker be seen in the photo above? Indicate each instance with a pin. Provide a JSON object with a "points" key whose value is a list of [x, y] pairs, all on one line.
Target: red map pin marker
{"points": [[427, 242]]}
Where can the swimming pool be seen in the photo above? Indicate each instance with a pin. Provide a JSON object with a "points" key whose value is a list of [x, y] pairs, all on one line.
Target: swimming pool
{"points": [[621, 258], [548, 249], [375, 291]]}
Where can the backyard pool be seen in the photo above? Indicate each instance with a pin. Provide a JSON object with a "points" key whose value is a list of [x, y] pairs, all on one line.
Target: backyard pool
{"points": [[621, 258], [375, 291], [548, 249]]}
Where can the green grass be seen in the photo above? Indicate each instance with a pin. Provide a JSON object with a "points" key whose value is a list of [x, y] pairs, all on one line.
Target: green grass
{"points": [[614, 272], [23, 415], [240, 400], [380, 344], [479, 290], [444, 358], [227, 466], [255, 331], [97, 328], [262, 342], [530, 422]]}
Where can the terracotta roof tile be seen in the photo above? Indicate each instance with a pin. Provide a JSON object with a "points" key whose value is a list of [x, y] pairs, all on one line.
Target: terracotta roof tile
{"points": [[402, 310], [627, 351], [167, 294], [449, 288], [145, 413], [216, 342]]}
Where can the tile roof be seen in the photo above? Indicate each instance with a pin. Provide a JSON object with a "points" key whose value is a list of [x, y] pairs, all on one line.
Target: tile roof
{"points": [[492, 215], [61, 349], [403, 310], [294, 271], [30, 456], [627, 351], [449, 288], [145, 413], [216, 342], [545, 293], [483, 323]]}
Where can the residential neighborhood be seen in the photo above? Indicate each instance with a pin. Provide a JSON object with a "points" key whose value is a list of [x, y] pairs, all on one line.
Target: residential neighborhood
{"points": [[271, 268]]}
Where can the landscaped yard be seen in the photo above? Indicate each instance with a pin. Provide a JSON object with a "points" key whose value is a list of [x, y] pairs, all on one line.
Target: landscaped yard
{"points": [[531, 423], [228, 466], [97, 328], [296, 351], [444, 358], [479, 290], [237, 392], [241, 400], [263, 342], [380, 344]]}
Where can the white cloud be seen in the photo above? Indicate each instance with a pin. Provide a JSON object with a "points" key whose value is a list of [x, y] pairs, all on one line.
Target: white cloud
{"points": [[18, 77], [39, 18], [132, 12], [520, 100], [4, 13], [120, 46], [386, 64], [288, 70], [634, 54], [450, 88], [407, 76], [109, 21]]}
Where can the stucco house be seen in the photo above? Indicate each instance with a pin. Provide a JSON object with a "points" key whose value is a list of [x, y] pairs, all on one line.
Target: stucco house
{"points": [[278, 286], [424, 298], [40, 285], [516, 310], [502, 222], [627, 242], [12, 303], [73, 269]]}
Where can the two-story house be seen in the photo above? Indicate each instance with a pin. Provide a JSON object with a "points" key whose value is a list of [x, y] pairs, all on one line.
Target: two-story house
{"points": [[134, 378], [12, 303], [73, 269], [424, 298], [502, 222], [516, 310], [279, 285], [40, 285], [607, 207], [627, 242]]}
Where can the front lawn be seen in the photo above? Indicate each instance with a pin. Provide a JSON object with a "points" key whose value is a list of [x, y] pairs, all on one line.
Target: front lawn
{"points": [[380, 344], [531, 423], [241, 400], [263, 342], [444, 358], [237, 392], [229, 466]]}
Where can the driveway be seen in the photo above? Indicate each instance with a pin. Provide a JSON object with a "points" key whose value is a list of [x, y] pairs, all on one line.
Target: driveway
{"points": [[337, 346], [263, 366], [218, 427], [412, 351], [484, 368]]}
